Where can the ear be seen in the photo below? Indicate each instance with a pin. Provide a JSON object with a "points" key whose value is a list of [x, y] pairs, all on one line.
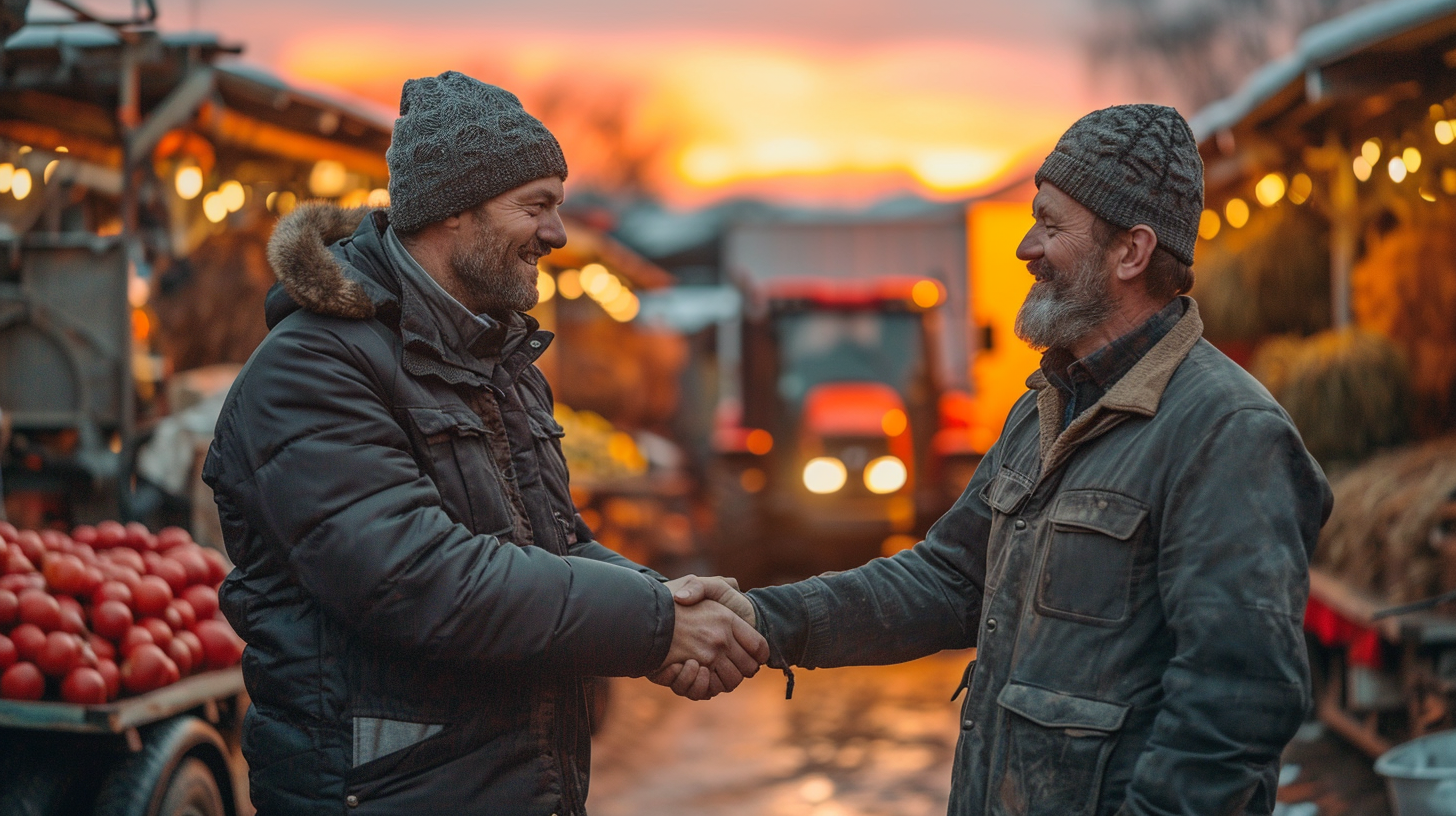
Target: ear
{"points": [[1134, 252]]}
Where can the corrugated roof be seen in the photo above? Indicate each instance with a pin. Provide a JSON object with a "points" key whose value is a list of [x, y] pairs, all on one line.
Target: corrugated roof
{"points": [[1320, 45]]}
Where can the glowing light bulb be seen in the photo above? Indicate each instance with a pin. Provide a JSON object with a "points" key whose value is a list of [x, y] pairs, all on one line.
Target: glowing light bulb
{"points": [[1362, 168], [824, 475], [214, 207], [233, 195], [1412, 158], [1270, 189], [21, 184], [545, 286], [1208, 225], [189, 182], [1397, 169], [1237, 212], [1370, 151], [1299, 188]]}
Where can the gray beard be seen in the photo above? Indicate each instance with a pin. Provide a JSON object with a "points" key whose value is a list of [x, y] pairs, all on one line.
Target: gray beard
{"points": [[1068, 307], [487, 269]]}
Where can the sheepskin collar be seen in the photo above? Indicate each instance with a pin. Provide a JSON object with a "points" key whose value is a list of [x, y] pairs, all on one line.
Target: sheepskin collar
{"points": [[1138, 392], [311, 269]]}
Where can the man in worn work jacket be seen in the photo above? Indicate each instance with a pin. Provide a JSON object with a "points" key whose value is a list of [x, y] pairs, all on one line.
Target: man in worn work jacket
{"points": [[1130, 558], [420, 599]]}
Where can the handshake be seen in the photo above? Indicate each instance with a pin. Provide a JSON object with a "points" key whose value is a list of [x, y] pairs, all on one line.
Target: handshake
{"points": [[715, 644]]}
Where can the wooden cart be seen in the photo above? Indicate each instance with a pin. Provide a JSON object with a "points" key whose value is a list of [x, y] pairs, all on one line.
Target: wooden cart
{"points": [[165, 753]]}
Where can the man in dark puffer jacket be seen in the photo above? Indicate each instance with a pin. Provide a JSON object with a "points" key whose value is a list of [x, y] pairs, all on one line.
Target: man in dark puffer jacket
{"points": [[420, 599]]}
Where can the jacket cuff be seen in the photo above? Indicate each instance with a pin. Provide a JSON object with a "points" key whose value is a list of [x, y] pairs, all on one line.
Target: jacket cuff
{"points": [[787, 619]]}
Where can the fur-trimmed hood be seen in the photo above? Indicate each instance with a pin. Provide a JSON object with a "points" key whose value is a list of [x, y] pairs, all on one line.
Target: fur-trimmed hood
{"points": [[311, 272]]}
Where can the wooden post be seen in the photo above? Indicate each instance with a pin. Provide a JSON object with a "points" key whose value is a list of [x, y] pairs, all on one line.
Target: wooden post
{"points": [[1344, 233]]}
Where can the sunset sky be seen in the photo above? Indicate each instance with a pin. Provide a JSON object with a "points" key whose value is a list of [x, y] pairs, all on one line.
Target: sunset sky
{"points": [[812, 101]]}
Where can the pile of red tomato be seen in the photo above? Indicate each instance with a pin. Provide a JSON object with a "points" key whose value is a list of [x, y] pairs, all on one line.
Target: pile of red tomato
{"points": [[106, 611]]}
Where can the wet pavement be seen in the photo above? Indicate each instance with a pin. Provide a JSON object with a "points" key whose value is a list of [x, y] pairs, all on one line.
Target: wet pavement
{"points": [[865, 741]]}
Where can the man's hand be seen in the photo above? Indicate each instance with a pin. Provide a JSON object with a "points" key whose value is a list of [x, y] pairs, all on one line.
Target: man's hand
{"points": [[701, 679]]}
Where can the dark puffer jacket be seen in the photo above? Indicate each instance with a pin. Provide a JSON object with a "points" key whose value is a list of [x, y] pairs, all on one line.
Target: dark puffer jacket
{"points": [[413, 582]]}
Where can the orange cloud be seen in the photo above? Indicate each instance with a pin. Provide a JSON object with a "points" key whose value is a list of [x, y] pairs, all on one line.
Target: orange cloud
{"points": [[697, 116]]}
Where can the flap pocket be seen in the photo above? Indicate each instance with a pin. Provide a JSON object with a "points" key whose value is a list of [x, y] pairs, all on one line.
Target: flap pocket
{"points": [[1101, 511], [1053, 709], [1007, 491], [544, 425], [434, 421]]}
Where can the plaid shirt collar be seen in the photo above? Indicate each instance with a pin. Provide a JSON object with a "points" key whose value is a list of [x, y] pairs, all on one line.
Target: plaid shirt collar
{"points": [[1083, 382]]}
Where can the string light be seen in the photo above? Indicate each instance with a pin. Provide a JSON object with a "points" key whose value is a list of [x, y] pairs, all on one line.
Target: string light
{"points": [[1397, 169], [1362, 168], [1270, 189], [1237, 212], [1299, 188], [1208, 225], [1370, 151]]}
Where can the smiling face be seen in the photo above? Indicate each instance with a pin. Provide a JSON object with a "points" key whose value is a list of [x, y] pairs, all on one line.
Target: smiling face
{"points": [[494, 259], [1066, 249]]}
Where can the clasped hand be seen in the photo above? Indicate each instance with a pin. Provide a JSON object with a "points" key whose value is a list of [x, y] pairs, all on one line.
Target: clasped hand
{"points": [[714, 642]]}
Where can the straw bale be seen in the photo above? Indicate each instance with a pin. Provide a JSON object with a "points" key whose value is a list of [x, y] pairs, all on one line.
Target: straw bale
{"points": [[1347, 391], [1378, 537], [1405, 289], [1271, 277]]}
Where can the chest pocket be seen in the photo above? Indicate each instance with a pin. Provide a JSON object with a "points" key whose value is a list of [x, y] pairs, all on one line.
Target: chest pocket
{"points": [[1088, 572], [457, 459]]}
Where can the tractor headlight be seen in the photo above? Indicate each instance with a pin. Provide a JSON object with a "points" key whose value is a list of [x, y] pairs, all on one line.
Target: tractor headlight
{"points": [[885, 475], [824, 474]]}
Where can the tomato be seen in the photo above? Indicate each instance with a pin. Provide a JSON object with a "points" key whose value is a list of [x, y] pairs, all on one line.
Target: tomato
{"points": [[134, 637], [8, 653], [29, 639], [109, 534], [146, 669], [73, 622], [31, 545], [9, 609], [84, 686], [203, 600], [220, 644], [170, 571], [55, 540], [194, 645], [67, 602], [8, 531], [161, 632], [41, 609], [16, 562], [181, 655], [112, 591], [65, 573], [185, 614], [111, 619], [127, 558], [83, 534], [59, 655], [217, 566], [20, 582], [101, 646], [112, 675], [152, 594], [170, 537], [23, 681], [139, 538], [190, 558]]}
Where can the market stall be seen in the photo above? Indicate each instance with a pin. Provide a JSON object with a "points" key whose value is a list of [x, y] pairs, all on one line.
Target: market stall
{"points": [[1325, 265]]}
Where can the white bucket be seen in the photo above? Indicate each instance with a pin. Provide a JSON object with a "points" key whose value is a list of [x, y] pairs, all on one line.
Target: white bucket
{"points": [[1421, 775]]}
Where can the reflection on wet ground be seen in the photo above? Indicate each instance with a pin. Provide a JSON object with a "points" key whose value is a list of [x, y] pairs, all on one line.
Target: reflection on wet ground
{"points": [[852, 742], [868, 741]]}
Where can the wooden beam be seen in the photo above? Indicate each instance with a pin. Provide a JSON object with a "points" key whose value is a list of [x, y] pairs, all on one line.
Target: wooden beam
{"points": [[229, 127]]}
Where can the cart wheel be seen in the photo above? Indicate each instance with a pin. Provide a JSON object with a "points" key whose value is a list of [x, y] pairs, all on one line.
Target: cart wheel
{"points": [[163, 778], [192, 792]]}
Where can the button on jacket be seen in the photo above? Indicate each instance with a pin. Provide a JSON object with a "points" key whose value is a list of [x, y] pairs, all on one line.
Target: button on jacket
{"points": [[420, 600], [1134, 584]]}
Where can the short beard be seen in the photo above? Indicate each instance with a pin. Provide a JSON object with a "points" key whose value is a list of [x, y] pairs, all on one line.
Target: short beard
{"points": [[486, 269], [1067, 306]]}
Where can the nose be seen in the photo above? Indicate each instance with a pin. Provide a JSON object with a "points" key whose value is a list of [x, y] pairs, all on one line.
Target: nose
{"points": [[552, 232], [1030, 247]]}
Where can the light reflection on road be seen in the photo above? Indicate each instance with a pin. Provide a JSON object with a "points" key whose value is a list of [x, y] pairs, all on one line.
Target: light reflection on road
{"points": [[853, 742]]}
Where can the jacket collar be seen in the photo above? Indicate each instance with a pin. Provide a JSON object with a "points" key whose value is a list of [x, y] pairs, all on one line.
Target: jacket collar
{"points": [[1139, 392], [335, 262]]}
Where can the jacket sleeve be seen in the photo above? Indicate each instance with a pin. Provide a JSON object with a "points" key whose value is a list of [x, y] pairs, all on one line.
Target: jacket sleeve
{"points": [[333, 483], [916, 603], [594, 550], [1237, 531]]}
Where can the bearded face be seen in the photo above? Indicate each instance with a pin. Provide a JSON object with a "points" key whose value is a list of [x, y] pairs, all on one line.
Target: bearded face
{"points": [[494, 269], [1065, 305]]}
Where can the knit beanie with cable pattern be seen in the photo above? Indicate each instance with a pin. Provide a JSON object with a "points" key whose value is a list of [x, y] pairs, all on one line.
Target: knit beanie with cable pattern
{"points": [[459, 142], [1133, 164]]}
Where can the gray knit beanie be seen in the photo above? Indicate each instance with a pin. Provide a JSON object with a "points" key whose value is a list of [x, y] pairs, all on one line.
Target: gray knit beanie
{"points": [[1133, 164], [459, 142]]}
